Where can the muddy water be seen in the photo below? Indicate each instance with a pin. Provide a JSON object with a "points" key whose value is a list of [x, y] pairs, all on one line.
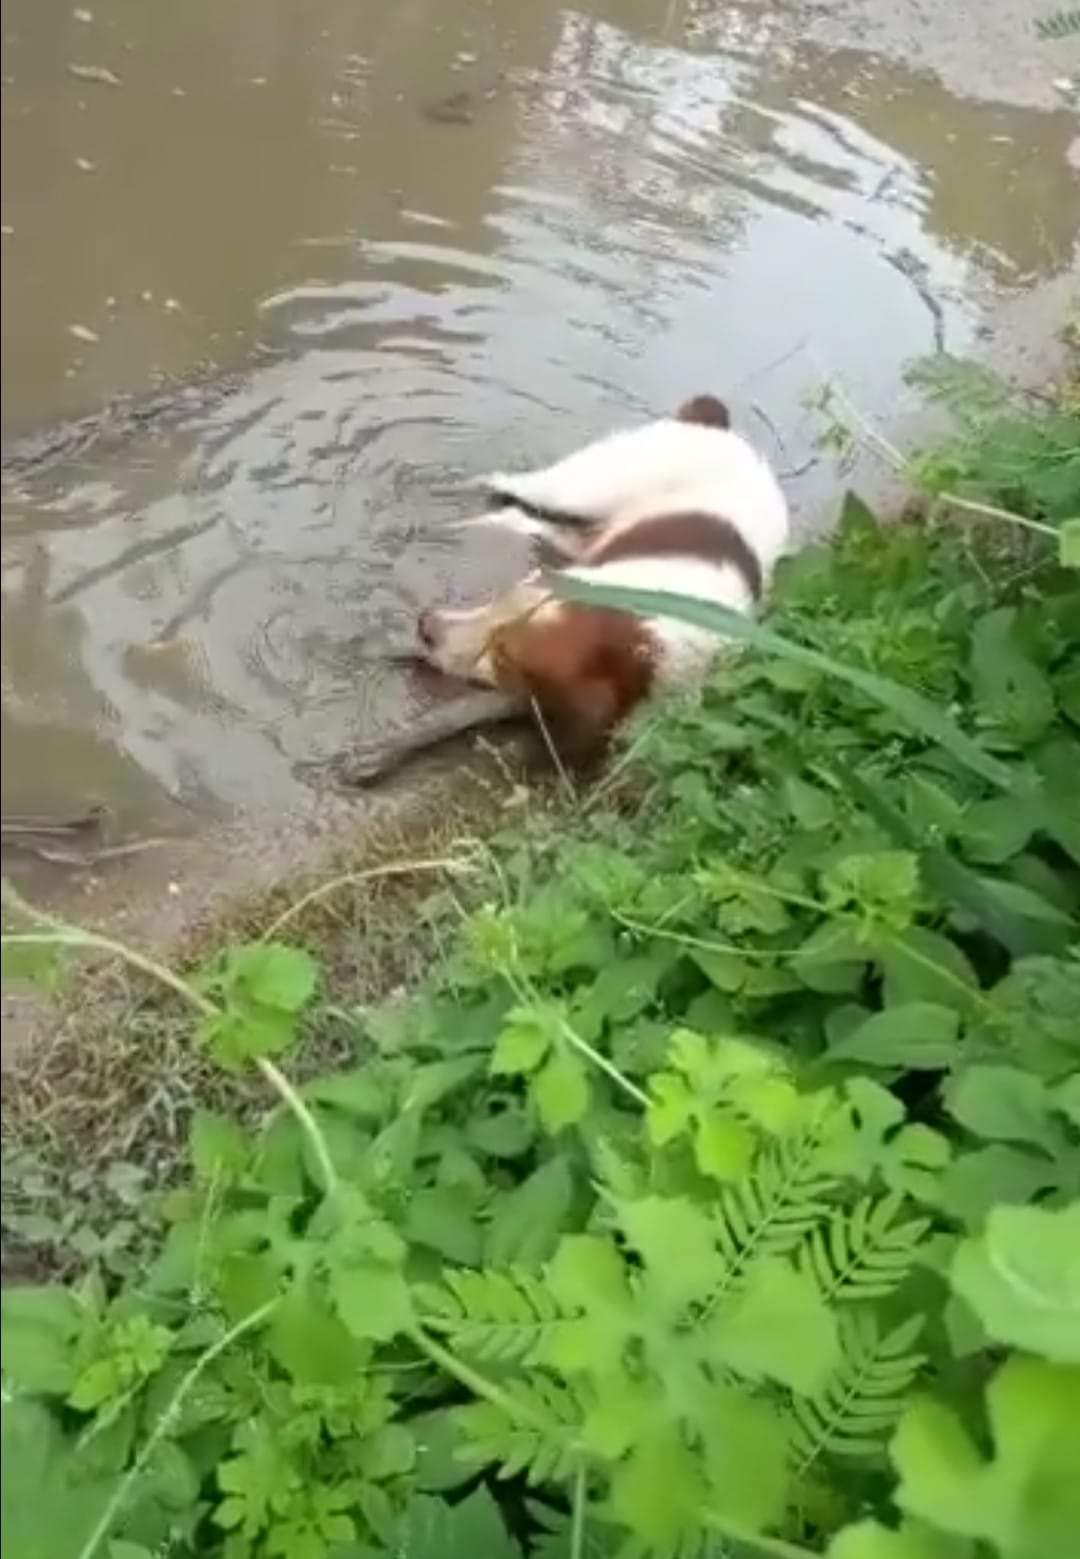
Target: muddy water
{"points": [[411, 240]]}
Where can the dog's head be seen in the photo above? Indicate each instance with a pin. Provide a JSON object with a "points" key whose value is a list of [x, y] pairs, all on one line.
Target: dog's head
{"points": [[462, 643]]}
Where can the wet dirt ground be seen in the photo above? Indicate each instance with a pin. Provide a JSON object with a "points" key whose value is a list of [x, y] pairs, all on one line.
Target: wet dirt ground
{"points": [[392, 246]]}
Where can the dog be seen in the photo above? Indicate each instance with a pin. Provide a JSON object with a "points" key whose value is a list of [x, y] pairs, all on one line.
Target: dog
{"points": [[683, 505]]}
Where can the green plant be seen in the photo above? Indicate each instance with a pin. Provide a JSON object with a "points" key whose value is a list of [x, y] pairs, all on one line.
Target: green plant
{"points": [[717, 1194]]}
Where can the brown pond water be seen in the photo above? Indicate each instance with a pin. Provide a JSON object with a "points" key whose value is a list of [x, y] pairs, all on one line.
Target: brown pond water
{"points": [[404, 242]]}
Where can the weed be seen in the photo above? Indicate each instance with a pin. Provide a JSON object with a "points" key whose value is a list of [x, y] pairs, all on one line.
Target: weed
{"points": [[715, 1191]]}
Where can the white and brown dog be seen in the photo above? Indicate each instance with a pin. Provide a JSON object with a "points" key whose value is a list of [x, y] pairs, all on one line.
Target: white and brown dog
{"points": [[683, 505]]}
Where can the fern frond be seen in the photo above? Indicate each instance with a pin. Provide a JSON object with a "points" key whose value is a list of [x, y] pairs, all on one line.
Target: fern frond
{"points": [[1058, 25], [495, 1435], [504, 1316], [861, 1253], [775, 1206], [862, 1400]]}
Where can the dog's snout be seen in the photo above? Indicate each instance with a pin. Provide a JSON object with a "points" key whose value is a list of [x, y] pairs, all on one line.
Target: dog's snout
{"points": [[427, 629]]}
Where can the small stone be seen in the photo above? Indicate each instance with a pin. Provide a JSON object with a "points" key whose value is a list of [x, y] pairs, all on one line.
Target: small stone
{"points": [[84, 333]]}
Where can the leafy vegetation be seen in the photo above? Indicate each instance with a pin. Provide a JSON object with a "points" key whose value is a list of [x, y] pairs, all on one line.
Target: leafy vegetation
{"points": [[718, 1191]]}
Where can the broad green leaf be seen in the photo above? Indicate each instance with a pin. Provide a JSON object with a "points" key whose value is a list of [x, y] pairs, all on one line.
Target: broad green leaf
{"points": [[975, 1182], [50, 1506], [779, 1329], [1025, 1498], [1022, 1279], [919, 1035], [831, 960], [438, 1441], [675, 1241], [1003, 1104], [911, 1540], [727, 971], [587, 1277], [358, 1093], [527, 1221], [723, 1146], [658, 1491], [1069, 544], [432, 1529], [995, 830], [39, 1327], [923, 965], [1015, 899], [1012, 693], [524, 1040], [372, 1300], [746, 1448], [220, 1151], [671, 1108], [1066, 1098], [560, 1091], [444, 1221]]}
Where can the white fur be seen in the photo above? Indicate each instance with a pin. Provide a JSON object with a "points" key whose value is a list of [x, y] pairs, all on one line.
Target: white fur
{"points": [[663, 467], [684, 652]]}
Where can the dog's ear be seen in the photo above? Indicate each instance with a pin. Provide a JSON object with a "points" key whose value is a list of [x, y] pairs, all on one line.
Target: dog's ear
{"points": [[706, 411], [548, 660]]}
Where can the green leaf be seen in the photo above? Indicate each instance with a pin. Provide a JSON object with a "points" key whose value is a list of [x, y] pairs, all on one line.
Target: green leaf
{"points": [[676, 1242], [50, 1506], [372, 1300], [524, 1040], [432, 1529], [975, 1182], [1025, 1500], [1013, 695], [263, 986], [1003, 1104], [778, 1329], [1069, 544], [587, 1277], [561, 1091], [671, 1108], [923, 965], [919, 1035], [308, 1341], [723, 1146], [443, 1220], [220, 1151], [1021, 1277], [38, 1331], [527, 1221], [658, 1491], [912, 1540], [831, 960], [746, 1459], [356, 1093]]}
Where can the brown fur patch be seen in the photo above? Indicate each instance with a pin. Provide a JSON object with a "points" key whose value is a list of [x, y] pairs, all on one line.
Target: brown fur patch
{"points": [[689, 534], [705, 410], [587, 667]]}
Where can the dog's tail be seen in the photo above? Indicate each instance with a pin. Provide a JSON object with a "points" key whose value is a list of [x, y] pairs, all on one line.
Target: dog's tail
{"points": [[563, 536]]}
